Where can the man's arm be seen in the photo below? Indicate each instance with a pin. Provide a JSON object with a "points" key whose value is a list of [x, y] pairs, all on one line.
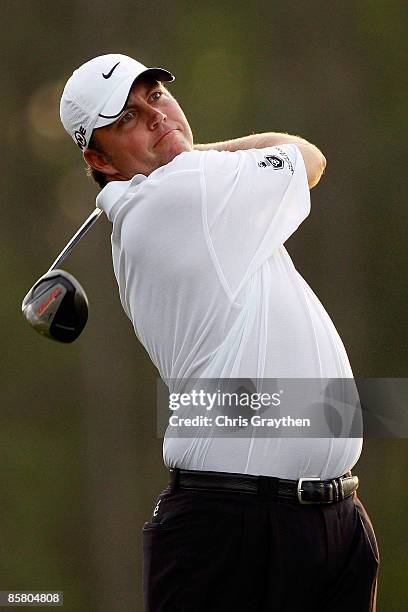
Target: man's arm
{"points": [[315, 162]]}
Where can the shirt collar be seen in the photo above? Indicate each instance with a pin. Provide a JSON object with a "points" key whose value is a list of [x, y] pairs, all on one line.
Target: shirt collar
{"points": [[113, 192]]}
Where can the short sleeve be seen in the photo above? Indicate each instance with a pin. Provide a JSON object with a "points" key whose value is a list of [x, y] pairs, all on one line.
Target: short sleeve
{"points": [[253, 202]]}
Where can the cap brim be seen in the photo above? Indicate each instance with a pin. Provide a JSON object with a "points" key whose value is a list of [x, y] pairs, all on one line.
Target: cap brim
{"points": [[117, 102]]}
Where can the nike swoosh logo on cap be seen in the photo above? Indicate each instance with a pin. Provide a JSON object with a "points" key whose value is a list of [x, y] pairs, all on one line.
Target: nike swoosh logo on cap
{"points": [[109, 74]]}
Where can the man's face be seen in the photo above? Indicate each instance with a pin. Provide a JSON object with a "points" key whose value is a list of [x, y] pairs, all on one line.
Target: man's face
{"points": [[149, 133]]}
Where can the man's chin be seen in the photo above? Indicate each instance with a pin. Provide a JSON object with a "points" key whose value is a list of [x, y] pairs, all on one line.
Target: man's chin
{"points": [[176, 150]]}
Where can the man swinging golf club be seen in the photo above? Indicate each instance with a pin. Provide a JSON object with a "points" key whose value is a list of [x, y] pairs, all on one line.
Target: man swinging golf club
{"points": [[246, 523]]}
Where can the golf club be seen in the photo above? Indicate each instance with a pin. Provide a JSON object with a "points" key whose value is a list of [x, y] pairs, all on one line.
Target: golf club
{"points": [[56, 305]]}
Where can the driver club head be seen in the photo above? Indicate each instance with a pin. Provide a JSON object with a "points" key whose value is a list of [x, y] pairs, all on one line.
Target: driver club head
{"points": [[56, 306]]}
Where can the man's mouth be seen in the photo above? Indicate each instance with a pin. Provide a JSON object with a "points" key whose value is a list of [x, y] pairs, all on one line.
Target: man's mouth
{"points": [[163, 136]]}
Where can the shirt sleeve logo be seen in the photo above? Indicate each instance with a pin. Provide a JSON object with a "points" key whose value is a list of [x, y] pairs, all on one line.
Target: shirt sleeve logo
{"points": [[276, 162], [286, 158]]}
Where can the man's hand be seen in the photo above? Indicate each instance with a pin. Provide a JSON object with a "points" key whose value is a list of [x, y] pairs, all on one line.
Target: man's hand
{"points": [[315, 162]]}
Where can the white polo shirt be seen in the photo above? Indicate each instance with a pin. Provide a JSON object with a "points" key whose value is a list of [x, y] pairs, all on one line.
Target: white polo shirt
{"points": [[211, 291]]}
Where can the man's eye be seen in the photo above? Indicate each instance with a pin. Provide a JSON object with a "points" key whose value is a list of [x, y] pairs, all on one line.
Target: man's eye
{"points": [[128, 116]]}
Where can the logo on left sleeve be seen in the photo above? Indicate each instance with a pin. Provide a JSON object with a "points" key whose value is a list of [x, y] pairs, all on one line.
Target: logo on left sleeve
{"points": [[272, 160]]}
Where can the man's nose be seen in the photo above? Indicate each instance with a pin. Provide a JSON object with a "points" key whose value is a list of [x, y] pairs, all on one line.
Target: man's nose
{"points": [[155, 117]]}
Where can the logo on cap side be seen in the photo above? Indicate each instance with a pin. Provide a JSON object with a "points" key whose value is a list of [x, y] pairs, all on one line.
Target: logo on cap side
{"points": [[109, 74], [80, 137]]}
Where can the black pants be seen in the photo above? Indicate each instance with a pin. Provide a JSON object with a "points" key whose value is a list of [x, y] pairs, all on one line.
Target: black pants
{"points": [[210, 551]]}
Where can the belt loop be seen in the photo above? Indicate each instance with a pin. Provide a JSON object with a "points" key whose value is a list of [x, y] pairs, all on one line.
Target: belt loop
{"points": [[268, 487], [341, 489], [175, 477], [336, 492]]}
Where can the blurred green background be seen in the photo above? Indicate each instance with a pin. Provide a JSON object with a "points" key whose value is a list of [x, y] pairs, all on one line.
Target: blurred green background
{"points": [[80, 463]]}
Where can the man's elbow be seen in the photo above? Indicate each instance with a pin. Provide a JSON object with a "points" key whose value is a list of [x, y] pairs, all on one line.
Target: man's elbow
{"points": [[316, 172]]}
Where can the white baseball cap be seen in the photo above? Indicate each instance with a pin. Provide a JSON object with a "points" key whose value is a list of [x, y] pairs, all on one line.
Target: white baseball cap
{"points": [[97, 92]]}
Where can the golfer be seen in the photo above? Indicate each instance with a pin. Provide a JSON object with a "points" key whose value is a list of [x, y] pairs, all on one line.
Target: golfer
{"points": [[250, 523]]}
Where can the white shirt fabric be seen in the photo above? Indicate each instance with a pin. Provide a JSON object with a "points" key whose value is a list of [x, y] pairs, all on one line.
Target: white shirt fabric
{"points": [[203, 275]]}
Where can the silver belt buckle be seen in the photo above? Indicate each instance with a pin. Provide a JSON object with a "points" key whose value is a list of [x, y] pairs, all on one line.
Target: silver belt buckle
{"points": [[299, 490]]}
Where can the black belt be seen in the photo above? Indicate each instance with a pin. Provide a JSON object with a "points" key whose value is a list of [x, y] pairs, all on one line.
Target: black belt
{"points": [[304, 490]]}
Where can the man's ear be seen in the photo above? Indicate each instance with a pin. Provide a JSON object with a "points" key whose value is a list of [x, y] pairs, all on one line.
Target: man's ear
{"points": [[99, 161]]}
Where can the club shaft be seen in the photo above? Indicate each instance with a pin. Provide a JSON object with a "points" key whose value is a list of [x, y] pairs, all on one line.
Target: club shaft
{"points": [[94, 216]]}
